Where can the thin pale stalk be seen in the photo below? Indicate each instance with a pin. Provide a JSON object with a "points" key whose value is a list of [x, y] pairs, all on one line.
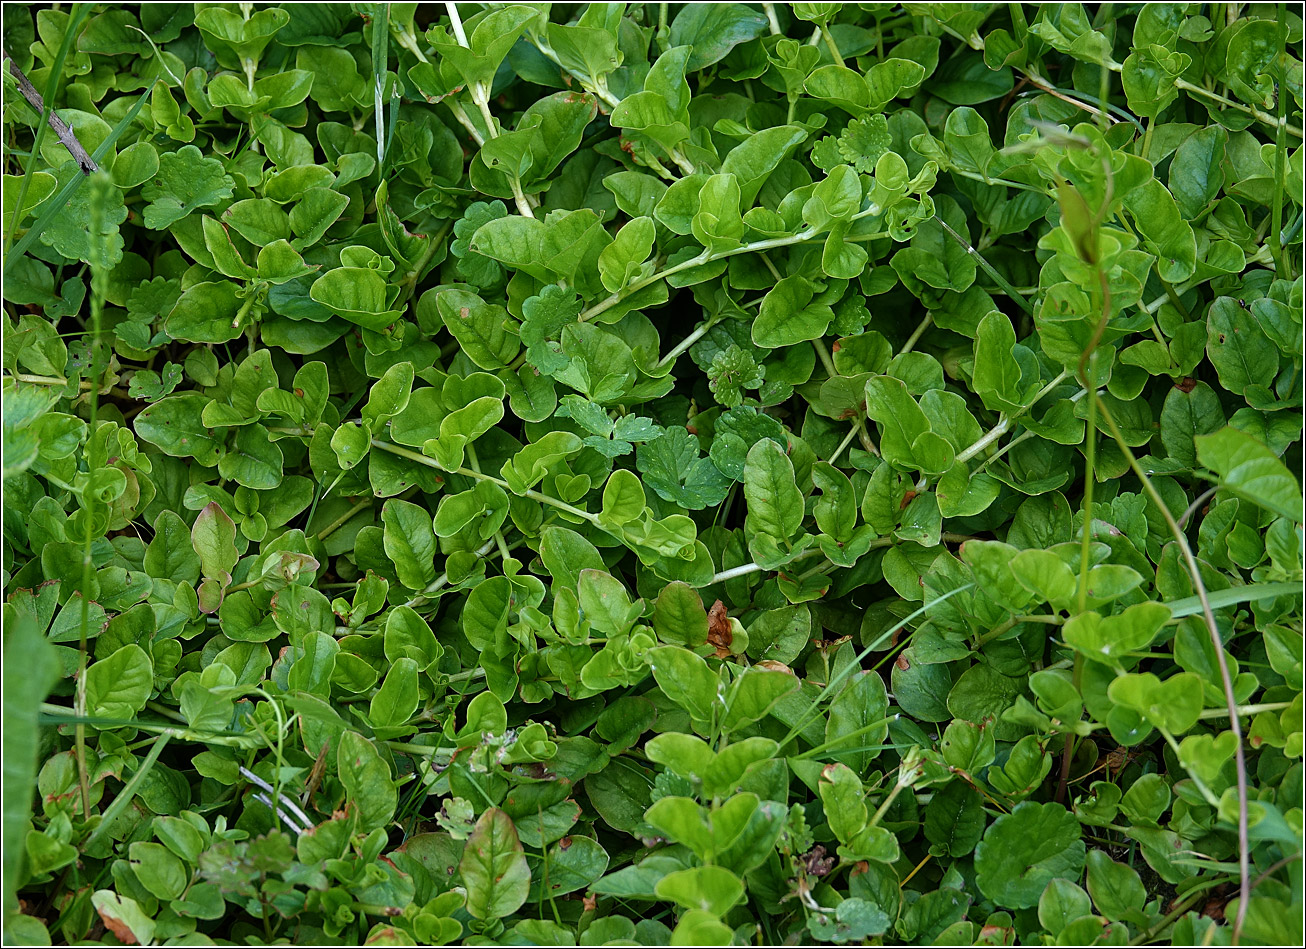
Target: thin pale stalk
{"points": [[706, 257], [1086, 534], [917, 333], [481, 96], [684, 345], [847, 440], [1280, 155], [343, 519], [1258, 114], [745, 569], [860, 423], [831, 45], [1231, 703], [1005, 422], [533, 495]]}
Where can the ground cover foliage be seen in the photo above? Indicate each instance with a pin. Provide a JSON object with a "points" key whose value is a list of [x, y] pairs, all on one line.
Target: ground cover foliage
{"points": [[653, 474]]}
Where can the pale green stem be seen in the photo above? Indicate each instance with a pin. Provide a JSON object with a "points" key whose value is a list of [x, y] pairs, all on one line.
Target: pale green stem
{"points": [[1020, 185], [860, 427], [442, 580], [831, 45], [481, 96], [847, 440], [1257, 709], [813, 752], [468, 472], [1250, 110], [243, 312], [498, 534], [685, 344], [1090, 455], [746, 569], [408, 42], [1005, 422], [707, 257], [884, 807], [600, 89], [917, 333], [46, 380], [343, 519], [1198, 782], [1022, 437]]}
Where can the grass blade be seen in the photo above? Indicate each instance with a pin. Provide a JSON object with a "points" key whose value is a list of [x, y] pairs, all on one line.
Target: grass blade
{"points": [[1192, 605], [30, 670]]}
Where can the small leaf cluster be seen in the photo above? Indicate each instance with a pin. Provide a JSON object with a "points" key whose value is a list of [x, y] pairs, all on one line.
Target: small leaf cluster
{"points": [[653, 474]]}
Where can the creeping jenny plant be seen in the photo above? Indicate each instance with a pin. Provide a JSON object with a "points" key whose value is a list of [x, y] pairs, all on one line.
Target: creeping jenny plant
{"points": [[652, 474]]}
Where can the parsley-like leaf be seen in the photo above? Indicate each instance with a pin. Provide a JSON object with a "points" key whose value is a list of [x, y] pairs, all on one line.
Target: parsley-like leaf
{"points": [[186, 181], [672, 466]]}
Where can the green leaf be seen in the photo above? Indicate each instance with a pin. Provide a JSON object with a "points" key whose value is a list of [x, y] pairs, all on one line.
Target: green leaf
{"points": [[565, 554], [409, 540], [713, 31], [1025, 850], [366, 778], [1109, 639], [1172, 704], [1164, 230], [494, 868], [253, 459], [858, 718], [753, 695], [900, 418], [68, 231], [686, 680], [124, 914], [213, 536], [118, 685], [175, 426], [482, 329], [1250, 470], [997, 375], [710, 889], [358, 294], [1116, 888], [789, 314], [954, 819], [678, 616]]}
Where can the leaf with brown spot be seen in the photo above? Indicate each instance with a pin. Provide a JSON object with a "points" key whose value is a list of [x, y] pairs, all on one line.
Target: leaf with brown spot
{"points": [[124, 917]]}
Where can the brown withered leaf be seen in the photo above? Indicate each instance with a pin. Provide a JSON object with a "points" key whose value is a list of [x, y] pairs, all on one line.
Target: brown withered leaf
{"points": [[816, 863], [718, 629]]}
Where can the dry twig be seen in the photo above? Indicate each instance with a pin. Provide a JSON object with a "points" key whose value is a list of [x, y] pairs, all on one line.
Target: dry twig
{"points": [[61, 128]]}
